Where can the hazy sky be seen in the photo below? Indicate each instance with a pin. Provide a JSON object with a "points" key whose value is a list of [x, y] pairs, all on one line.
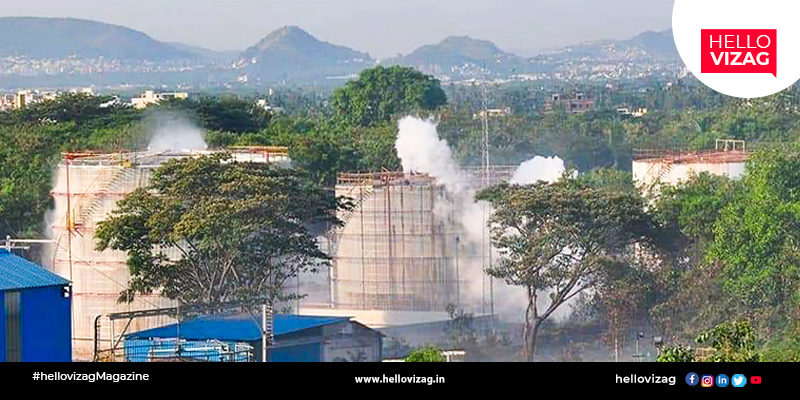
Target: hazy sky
{"points": [[381, 27]]}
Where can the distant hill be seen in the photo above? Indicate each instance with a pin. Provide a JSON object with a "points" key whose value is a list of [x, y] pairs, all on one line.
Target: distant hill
{"points": [[460, 56], [650, 54], [208, 54], [291, 53], [657, 44], [648, 45], [39, 38]]}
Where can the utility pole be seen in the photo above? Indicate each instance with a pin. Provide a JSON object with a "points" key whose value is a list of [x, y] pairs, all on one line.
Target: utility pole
{"points": [[486, 181], [458, 279], [264, 332]]}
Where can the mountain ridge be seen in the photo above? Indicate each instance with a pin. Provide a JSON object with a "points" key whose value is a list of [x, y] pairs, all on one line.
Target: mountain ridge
{"points": [[290, 52], [53, 38]]}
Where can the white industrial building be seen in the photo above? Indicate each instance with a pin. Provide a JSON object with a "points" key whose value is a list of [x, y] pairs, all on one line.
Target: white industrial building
{"points": [[652, 167]]}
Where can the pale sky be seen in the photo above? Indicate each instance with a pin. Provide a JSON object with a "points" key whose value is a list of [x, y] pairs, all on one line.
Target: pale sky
{"points": [[381, 27]]}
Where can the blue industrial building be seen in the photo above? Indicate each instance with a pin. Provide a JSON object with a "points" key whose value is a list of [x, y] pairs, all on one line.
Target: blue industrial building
{"points": [[237, 337], [36, 312]]}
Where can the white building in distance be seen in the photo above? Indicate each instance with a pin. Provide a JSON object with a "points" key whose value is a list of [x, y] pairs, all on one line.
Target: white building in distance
{"points": [[150, 97]]}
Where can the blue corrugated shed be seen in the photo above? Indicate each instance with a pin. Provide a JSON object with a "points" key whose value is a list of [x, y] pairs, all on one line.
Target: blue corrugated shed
{"points": [[46, 325], [39, 326], [2, 331], [18, 273], [237, 328]]}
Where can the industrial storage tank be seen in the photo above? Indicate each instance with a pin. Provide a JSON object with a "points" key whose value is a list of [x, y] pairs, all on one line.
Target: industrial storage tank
{"points": [[86, 191], [395, 252], [672, 166], [403, 247]]}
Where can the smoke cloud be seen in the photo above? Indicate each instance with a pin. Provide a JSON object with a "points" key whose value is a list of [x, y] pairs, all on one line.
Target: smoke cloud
{"points": [[539, 169], [422, 151], [174, 132]]}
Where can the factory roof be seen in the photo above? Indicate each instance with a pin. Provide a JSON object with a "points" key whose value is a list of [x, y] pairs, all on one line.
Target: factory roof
{"points": [[696, 157], [18, 273], [237, 327]]}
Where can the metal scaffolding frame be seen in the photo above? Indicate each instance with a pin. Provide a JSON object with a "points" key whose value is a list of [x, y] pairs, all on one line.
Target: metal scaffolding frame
{"points": [[398, 251]]}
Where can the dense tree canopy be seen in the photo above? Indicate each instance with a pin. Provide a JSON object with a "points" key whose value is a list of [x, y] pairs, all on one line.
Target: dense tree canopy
{"points": [[382, 93], [758, 232], [558, 240], [26, 159], [207, 230], [739, 236]]}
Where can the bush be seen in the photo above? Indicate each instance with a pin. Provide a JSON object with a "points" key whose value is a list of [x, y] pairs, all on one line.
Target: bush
{"points": [[677, 354], [426, 354], [787, 350]]}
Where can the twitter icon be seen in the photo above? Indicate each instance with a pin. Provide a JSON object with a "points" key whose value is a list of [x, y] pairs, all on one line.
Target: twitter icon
{"points": [[738, 380]]}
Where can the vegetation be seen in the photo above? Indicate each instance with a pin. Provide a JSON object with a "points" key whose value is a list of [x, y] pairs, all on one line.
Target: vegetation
{"points": [[461, 333], [558, 240], [379, 94], [733, 341], [426, 354], [728, 248], [677, 353], [208, 231]]}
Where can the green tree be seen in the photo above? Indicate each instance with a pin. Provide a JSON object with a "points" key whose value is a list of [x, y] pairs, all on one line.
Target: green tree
{"points": [[206, 230], [676, 353], [381, 93], [732, 342], [426, 354], [783, 349], [689, 211], [557, 239], [756, 235], [27, 159]]}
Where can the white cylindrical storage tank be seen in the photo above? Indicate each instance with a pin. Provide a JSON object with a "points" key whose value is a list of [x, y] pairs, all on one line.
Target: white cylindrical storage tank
{"points": [[396, 251]]}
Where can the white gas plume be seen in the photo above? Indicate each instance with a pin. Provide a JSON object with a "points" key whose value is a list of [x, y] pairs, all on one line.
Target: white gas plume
{"points": [[174, 132], [422, 151], [547, 169]]}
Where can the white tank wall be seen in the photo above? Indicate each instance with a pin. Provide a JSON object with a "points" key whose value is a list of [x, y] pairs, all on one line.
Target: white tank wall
{"points": [[395, 253], [648, 172], [98, 277]]}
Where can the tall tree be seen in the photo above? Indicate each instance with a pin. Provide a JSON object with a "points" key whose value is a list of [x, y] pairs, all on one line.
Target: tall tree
{"points": [[757, 235], [27, 159], [380, 93], [557, 239], [690, 210], [207, 230]]}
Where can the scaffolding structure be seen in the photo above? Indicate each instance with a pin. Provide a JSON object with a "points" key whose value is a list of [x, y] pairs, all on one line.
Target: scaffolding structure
{"points": [[86, 191], [400, 248]]}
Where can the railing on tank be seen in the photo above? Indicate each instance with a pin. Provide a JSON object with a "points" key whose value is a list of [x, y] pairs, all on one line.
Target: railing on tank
{"points": [[724, 149]]}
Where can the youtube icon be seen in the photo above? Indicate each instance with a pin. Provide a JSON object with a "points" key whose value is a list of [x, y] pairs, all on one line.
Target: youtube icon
{"points": [[755, 380]]}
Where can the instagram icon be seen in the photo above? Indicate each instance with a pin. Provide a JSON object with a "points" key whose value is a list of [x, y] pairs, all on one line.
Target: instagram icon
{"points": [[707, 381]]}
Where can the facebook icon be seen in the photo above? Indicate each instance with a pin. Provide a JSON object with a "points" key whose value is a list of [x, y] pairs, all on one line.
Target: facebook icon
{"points": [[722, 380], [692, 379]]}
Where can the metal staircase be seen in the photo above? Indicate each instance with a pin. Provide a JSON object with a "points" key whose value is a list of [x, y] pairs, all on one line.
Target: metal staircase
{"points": [[115, 185], [366, 191]]}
